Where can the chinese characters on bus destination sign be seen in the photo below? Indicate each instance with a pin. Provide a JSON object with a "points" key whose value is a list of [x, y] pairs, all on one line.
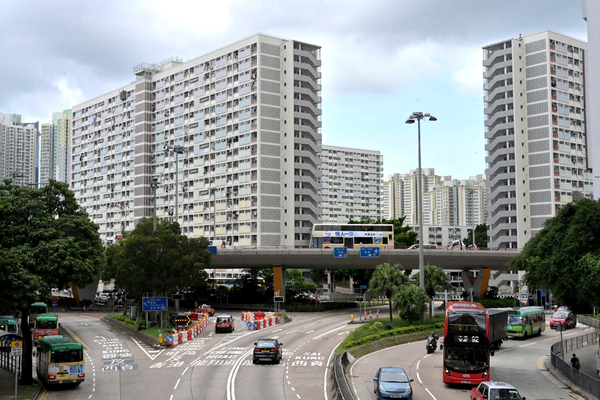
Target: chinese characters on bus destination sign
{"points": [[351, 234], [154, 304]]}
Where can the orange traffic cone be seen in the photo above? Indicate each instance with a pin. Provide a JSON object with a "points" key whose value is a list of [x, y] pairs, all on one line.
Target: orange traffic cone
{"points": [[83, 308]]}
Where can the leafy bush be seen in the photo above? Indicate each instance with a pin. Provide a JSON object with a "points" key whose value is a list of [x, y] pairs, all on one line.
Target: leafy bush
{"points": [[499, 303], [399, 331], [388, 326], [376, 326]]}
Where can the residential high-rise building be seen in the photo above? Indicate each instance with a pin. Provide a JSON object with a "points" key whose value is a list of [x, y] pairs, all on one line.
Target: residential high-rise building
{"points": [[231, 139], [17, 150], [535, 131], [591, 13], [62, 122], [351, 184], [401, 194], [48, 149]]}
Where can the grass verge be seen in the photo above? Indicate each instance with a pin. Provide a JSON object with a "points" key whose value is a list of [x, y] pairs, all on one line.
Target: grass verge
{"points": [[380, 334]]}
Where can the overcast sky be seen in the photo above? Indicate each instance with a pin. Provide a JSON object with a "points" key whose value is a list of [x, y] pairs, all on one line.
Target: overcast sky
{"points": [[381, 60]]}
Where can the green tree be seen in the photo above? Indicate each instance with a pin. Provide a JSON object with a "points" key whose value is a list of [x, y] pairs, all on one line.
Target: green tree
{"points": [[411, 300], [436, 280], [46, 241], [386, 281], [161, 262], [564, 256], [404, 236], [296, 285], [481, 237]]}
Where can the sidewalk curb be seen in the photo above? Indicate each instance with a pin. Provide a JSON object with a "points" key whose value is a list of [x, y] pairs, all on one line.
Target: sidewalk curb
{"points": [[556, 374]]}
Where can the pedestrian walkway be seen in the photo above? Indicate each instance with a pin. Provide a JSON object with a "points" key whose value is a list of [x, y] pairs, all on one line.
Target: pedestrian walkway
{"points": [[7, 387]]}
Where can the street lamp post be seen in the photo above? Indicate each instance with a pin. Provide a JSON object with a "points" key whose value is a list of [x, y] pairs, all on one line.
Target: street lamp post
{"points": [[418, 116], [154, 185], [473, 214]]}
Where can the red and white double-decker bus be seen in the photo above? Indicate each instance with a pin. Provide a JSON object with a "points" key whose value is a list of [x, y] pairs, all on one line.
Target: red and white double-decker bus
{"points": [[467, 348]]}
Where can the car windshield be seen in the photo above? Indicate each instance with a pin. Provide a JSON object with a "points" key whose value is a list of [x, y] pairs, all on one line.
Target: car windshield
{"points": [[504, 394], [393, 376], [223, 319], [265, 344], [560, 315]]}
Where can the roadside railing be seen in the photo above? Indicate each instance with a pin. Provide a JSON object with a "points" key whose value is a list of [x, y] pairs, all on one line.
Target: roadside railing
{"points": [[558, 352]]}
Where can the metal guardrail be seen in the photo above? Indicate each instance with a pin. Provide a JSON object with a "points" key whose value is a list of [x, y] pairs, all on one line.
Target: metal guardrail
{"points": [[343, 390], [586, 382]]}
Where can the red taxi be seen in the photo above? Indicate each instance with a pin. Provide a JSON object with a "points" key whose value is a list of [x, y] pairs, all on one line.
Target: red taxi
{"points": [[205, 308], [224, 323]]}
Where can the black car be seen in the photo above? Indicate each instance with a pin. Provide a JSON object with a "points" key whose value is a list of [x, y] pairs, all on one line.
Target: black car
{"points": [[267, 349]]}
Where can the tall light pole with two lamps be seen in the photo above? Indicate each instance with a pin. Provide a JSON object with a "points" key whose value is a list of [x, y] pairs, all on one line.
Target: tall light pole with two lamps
{"points": [[418, 116]]}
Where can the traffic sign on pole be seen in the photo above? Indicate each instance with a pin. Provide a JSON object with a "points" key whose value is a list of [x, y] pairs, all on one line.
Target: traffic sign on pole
{"points": [[367, 252], [340, 252], [54, 299]]}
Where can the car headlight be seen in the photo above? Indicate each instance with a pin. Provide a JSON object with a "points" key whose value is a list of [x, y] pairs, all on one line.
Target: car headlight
{"points": [[408, 390], [381, 388], [485, 373]]}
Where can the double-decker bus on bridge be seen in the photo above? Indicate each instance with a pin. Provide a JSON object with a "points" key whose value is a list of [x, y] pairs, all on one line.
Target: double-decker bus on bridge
{"points": [[330, 235]]}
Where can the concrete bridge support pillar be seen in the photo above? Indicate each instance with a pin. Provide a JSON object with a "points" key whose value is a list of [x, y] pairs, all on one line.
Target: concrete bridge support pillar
{"points": [[279, 279], [479, 284]]}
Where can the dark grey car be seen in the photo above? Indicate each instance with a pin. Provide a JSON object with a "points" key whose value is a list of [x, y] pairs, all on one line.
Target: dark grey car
{"points": [[267, 350]]}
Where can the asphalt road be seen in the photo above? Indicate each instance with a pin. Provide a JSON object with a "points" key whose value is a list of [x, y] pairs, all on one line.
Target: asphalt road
{"points": [[212, 366], [519, 362]]}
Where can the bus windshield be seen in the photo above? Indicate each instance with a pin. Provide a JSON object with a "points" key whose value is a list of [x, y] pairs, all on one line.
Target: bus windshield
{"points": [[65, 356], [467, 322], [46, 324], [466, 358], [514, 320]]}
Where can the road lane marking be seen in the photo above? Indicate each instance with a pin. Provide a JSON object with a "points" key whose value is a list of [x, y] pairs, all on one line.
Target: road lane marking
{"points": [[528, 344], [177, 384], [430, 394], [328, 332], [418, 363], [185, 370], [419, 378], [277, 330], [233, 374], [311, 331], [292, 331], [327, 369], [148, 354]]}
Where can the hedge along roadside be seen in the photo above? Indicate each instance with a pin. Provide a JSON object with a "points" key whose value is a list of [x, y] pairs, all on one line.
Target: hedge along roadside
{"points": [[390, 338]]}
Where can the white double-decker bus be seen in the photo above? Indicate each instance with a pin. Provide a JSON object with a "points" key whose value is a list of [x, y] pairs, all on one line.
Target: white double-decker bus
{"points": [[328, 235]]}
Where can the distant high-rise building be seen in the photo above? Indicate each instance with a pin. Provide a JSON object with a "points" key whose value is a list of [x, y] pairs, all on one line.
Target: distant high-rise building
{"points": [[351, 181], [591, 13], [48, 149], [535, 130], [17, 150], [62, 122], [231, 138]]}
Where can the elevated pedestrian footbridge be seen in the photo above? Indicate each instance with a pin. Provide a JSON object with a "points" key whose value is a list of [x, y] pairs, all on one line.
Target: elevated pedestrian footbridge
{"points": [[281, 258], [231, 258]]}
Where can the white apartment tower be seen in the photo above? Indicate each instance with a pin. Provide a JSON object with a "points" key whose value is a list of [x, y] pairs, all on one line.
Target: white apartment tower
{"points": [[17, 150], [536, 140], [232, 139], [62, 122], [48, 153], [591, 14], [351, 181]]}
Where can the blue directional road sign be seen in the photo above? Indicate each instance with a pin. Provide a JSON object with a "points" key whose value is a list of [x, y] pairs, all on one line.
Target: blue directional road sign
{"points": [[154, 304], [369, 252], [340, 252], [212, 249]]}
